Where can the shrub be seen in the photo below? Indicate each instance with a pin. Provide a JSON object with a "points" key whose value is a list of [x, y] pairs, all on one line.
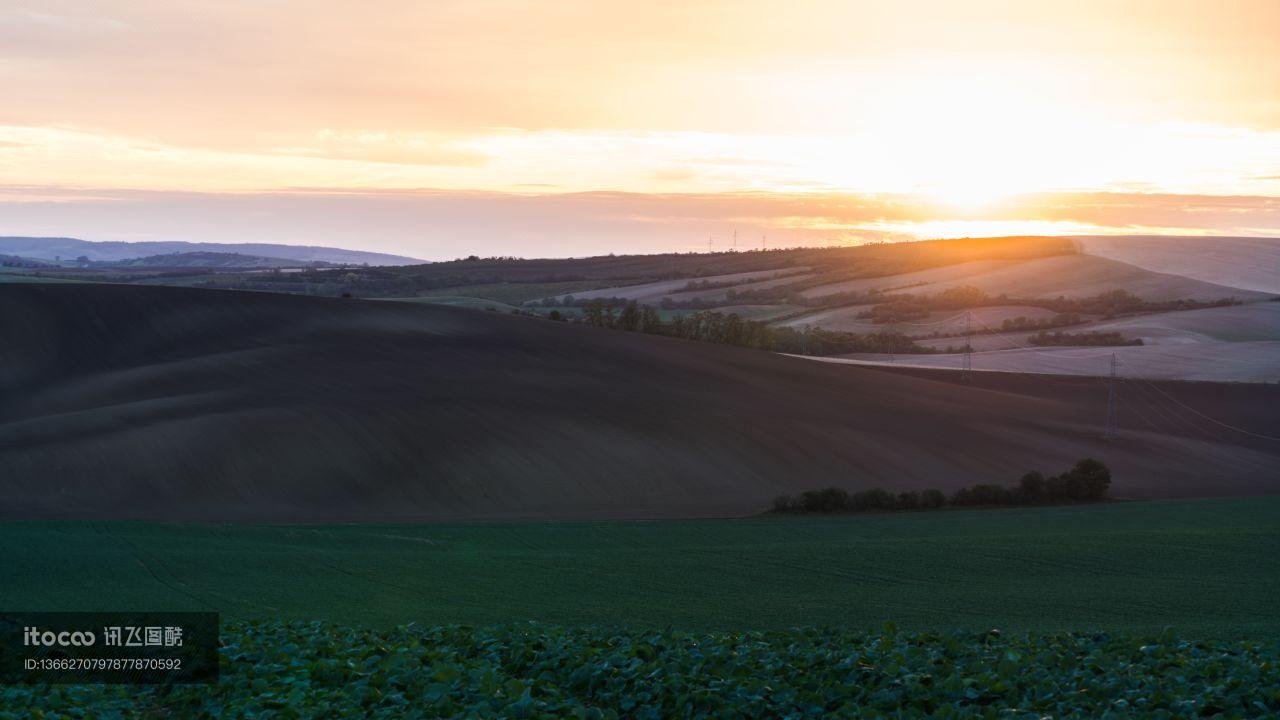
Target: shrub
{"points": [[1090, 479]]}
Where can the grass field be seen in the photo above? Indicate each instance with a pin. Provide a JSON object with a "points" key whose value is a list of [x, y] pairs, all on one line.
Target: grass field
{"points": [[474, 303], [19, 277], [1207, 568], [516, 293]]}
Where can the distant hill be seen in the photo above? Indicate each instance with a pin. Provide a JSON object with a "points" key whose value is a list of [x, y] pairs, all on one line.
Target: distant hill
{"points": [[212, 260], [127, 401], [58, 248]]}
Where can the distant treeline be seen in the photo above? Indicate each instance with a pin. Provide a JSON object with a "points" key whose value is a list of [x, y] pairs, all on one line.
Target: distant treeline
{"points": [[810, 340], [1017, 324], [1088, 481], [730, 329], [1094, 337], [908, 308], [706, 326]]}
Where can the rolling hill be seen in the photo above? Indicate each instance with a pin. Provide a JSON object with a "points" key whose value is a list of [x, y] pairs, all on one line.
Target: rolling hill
{"points": [[127, 401], [1250, 263]]}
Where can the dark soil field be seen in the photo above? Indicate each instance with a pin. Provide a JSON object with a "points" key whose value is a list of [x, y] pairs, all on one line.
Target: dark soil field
{"points": [[170, 403]]}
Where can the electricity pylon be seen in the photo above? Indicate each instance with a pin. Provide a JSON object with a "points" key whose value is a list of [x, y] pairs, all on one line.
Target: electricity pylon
{"points": [[968, 347], [1112, 430]]}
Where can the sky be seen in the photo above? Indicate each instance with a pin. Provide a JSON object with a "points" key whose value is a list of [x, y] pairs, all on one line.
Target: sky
{"points": [[446, 128]]}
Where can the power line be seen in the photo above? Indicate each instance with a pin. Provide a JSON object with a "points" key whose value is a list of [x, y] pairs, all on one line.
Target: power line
{"points": [[1211, 419]]}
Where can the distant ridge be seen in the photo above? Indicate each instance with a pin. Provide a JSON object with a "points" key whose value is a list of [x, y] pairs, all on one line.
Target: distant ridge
{"points": [[50, 248], [212, 260]]}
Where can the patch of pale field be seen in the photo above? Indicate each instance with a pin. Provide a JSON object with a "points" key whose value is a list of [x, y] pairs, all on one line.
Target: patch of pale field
{"points": [[1061, 275], [1258, 321], [654, 292], [1246, 263], [1251, 362], [723, 293], [912, 282], [845, 319]]}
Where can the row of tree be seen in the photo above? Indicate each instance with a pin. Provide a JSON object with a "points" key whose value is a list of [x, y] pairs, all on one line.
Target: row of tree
{"points": [[810, 340], [707, 326], [1088, 481], [731, 329], [905, 306], [1093, 337]]}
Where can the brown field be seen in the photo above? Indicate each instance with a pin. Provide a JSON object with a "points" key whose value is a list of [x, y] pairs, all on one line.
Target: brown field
{"points": [[128, 401]]}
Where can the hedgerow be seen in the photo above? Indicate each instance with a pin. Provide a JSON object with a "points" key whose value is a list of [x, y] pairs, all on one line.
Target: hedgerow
{"points": [[296, 670]]}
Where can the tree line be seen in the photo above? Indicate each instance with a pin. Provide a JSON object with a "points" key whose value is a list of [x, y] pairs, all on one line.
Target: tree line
{"points": [[731, 329], [907, 307], [1088, 481], [1093, 337], [707, 326]]}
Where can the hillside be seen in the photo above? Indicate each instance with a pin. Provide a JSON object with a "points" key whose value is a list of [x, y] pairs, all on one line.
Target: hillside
{"points": [[1249, 263], [610, 275], [131, 401]]}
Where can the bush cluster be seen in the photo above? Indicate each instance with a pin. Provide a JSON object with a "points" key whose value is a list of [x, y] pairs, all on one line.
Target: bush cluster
{"points": [[1088, 481]]}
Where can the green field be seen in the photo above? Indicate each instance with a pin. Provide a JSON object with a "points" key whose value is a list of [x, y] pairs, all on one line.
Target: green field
{"points": [[1207, 568], [516, 293], [474, 303], [19, 277]]}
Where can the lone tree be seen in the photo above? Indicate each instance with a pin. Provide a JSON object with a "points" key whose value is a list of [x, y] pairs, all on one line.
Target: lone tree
{"points": [[1090, 479]]}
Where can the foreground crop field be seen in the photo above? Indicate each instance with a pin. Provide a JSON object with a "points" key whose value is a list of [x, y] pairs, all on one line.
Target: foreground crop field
{"points": [[1206, 568], [532, 671]]}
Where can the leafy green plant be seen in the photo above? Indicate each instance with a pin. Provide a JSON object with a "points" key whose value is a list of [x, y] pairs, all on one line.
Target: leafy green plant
{"points": [[292, 670]]}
